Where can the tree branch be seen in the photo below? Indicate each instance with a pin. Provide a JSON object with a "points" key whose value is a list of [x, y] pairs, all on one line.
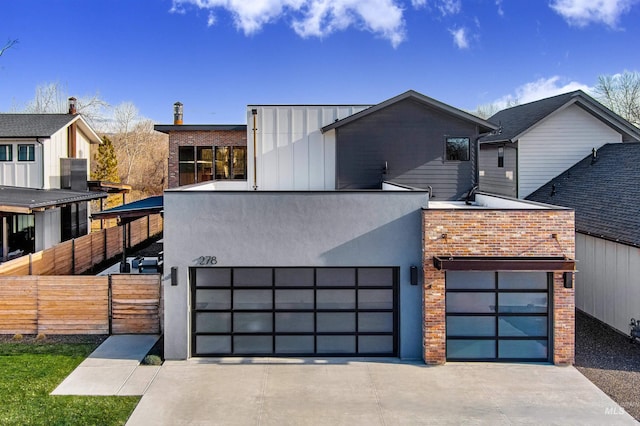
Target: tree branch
{"points": [[8, 45]]}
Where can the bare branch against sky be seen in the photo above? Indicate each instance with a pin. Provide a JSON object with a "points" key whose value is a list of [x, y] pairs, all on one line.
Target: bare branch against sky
{"points": [[9, 44]]}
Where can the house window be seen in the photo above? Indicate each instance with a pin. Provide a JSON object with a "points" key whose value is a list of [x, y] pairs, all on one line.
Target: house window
{"points": [[500, 156], [26, 152], [458, 149], [231, 162], [6, 152], [204, 165], [186, 165]]}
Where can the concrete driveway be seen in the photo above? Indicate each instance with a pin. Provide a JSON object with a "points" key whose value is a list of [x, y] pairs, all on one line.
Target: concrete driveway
{"points": [[269, 391]]}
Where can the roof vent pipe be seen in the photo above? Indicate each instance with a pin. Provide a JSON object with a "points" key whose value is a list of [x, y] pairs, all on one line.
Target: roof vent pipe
{"points": [[72, 106], [177, 114]]}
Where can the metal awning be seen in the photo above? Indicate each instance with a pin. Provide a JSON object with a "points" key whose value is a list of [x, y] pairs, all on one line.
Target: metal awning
{"points": [[134, 210], [29, 200], [489, 263]]}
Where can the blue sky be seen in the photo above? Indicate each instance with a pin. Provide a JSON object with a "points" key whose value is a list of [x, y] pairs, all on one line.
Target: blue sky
{"points": [[217, 56]]}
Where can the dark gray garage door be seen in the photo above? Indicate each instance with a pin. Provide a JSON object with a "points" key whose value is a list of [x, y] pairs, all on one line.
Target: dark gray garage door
{"points": [[294, 311], [498, 316]]}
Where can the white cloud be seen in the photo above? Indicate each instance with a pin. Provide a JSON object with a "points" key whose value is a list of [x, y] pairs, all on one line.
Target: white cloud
{"points": [[449, 7], [460, 38], [540, 89], [311, 18], [584, 12], [499, 5], [417, 4]]}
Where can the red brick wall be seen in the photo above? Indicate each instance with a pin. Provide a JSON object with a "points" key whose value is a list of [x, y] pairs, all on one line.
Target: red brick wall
{"points": [[481, 232], [200, 138]]}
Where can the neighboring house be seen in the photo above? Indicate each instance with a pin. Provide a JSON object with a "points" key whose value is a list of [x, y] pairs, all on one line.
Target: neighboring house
{"points": [[44, 167], [200, 153], [604, 192], [539, 140], [311, 257]]}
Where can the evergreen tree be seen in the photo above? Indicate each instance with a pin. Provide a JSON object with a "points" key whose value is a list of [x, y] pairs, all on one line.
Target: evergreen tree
{"points": [[106, 162]]}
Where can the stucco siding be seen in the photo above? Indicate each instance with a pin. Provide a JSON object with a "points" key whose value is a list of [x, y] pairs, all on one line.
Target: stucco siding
{"points": [[313, 229], [556, 144], [607, 281]]}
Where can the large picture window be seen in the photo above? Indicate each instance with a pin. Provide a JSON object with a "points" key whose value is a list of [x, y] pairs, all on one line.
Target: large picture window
{"points": [[457, 149], [26, 152], [186, 165], [204, 163], [6, 152]]}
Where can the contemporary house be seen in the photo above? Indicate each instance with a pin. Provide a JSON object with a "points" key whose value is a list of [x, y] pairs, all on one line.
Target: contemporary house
{"points": [[603, 191], [358, 232], [535, 142], [201, 153], [43, 180]]}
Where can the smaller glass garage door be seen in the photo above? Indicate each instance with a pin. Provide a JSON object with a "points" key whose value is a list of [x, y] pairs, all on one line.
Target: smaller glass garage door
{"points": [[497, 316], [294, 311]]}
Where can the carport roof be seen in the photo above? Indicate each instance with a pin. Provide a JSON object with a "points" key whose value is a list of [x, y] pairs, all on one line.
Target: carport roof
{"points": [[140, 208], [29, 200]]}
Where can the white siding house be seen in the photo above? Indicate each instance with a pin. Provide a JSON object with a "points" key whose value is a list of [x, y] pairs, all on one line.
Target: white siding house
{"points": [[558, 142]]}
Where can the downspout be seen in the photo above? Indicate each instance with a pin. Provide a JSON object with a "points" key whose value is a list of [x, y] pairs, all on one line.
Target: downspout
{"points": [[41, 162], [254, 112]]}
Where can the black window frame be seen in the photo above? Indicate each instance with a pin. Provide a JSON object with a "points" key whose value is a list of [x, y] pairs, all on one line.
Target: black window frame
{"points": [[501, 156], [31, 152], [449, 153], [4, 149], [228, 163]]}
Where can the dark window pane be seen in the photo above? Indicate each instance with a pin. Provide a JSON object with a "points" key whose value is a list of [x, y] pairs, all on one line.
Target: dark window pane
{"points": [[213, 299], [294, 299], [523, 326], [205, 164], [479, 303], [186, 153], [252, 277], [294, 277], [252, 322], [336, 299], [500, 156], [337, 322], [213, 344], [375, 299], [375, 344], [463, 280], [375, 322], [336, 344], [522, 302], [252, 299], [213, 277], [6, 152], [336, 277], [26, 153], [253, 344], [471, 349], [375, 277], [294, 344], [471, 326], [457, 149], [294, 322], [522, 280], [213, 322], [523, 349], [187, 173]]}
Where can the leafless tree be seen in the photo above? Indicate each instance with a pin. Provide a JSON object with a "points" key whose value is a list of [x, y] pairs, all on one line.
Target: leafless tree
{"points": [[621, 94], [9, 44]]}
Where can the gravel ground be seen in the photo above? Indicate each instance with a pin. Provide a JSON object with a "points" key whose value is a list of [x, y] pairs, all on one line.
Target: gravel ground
{"points": [[610, 360]]}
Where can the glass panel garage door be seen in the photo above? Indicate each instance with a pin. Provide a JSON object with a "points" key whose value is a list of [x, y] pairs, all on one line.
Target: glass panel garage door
{"points": [[294, 311], [498, 316]]}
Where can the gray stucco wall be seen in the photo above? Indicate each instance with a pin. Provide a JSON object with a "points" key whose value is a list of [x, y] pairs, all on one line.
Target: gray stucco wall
{"points": [[292, 229]]}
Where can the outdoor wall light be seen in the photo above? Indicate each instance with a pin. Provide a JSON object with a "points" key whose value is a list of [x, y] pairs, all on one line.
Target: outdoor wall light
{"points": [[414, 275], [174, 275], [568, 279]]}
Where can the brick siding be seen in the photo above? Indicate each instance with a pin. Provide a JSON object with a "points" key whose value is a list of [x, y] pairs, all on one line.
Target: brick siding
{"points": [[480, 232], [209, 138]]}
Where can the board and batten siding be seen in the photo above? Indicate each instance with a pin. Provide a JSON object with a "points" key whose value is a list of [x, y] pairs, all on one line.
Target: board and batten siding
{"points": [[607, 285], [292, 152], [556, 144], [56, 148], [409, 137], [23, 174], [494, 179]]}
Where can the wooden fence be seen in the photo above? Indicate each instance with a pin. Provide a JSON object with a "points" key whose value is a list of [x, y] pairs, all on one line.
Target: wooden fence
{"points": [[115, 304], [81, 254]]}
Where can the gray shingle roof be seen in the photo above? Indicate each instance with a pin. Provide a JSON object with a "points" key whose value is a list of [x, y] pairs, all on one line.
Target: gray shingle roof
{"points": [[32, 125], [605, 195], [518, 119]]}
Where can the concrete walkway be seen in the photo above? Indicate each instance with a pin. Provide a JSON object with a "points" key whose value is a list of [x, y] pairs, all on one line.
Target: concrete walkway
{"points": [[113, 369]]}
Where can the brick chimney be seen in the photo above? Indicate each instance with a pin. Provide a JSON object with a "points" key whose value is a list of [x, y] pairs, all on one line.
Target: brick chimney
{"points": [[177, 114], [72, 106]]}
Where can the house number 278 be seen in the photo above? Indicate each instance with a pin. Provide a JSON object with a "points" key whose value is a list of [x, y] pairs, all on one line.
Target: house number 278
{"points": [[206, 260]]}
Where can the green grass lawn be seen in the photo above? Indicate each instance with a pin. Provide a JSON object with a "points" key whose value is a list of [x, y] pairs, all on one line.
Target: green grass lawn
{"points": [[29, 372]]}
